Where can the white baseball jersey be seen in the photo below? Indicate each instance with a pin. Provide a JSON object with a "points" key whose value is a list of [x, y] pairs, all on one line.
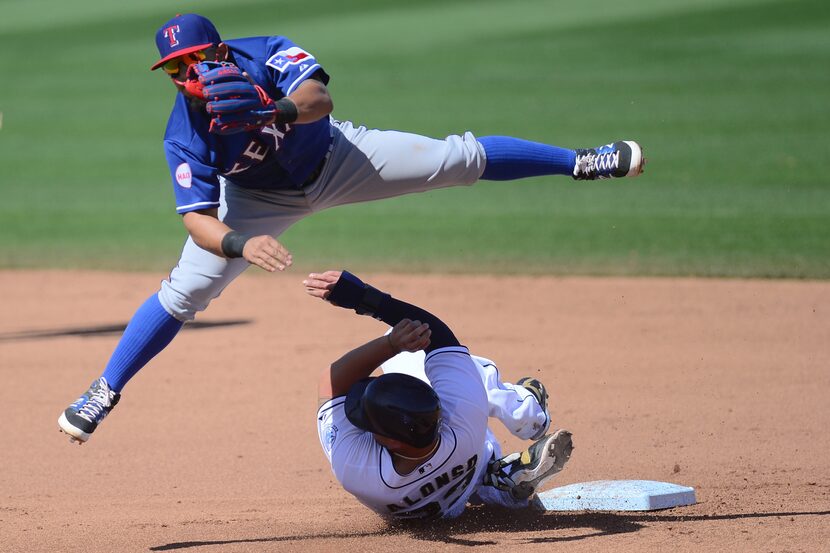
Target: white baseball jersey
{"points": [[442, 485]]}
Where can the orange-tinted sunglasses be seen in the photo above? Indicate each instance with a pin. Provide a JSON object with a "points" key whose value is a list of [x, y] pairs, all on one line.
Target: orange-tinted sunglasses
{"points": [[171, 67]]}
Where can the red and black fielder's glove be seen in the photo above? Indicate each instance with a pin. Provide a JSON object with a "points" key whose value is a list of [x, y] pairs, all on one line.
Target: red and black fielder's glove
{"points": [[233, 101]]}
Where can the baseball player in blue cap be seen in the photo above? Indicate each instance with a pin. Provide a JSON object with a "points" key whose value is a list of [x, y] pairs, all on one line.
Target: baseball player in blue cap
{"points": [[414, 442], [252, 149]]}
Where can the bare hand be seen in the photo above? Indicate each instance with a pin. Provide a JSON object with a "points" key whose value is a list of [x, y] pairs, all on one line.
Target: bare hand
{"points": [[320, 285], [409, 336], [266, 252]]}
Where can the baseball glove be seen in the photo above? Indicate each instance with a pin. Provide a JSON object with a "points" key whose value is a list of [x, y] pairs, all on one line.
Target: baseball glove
{"points": [[233, 101]]}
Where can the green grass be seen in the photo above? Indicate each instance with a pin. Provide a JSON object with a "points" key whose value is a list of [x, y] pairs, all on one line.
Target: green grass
{"points": [[729, 99]]}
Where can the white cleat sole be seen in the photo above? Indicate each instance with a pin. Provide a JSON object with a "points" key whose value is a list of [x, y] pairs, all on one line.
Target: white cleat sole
{"points": [[559, 448], [75, 435], [637, 159]]}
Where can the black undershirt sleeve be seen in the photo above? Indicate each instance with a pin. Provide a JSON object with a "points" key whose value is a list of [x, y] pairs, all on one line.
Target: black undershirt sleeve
{"points": [[352, 293]]}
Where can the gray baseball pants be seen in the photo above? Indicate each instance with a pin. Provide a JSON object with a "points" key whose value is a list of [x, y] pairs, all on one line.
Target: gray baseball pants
{"points": [[363, 165]]}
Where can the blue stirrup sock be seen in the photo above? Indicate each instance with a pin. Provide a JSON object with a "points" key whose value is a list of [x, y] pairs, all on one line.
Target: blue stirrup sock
{"points": [[511, 158], [150, 331]]}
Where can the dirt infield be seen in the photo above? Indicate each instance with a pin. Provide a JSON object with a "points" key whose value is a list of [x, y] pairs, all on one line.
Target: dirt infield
{"points": [[719, 385]]}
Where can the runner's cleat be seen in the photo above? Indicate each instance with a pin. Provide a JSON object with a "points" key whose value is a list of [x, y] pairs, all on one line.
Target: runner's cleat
{"points": [[523, 473], [537, 389]]}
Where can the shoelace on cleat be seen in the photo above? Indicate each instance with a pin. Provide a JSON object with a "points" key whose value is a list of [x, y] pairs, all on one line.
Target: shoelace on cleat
{"points": [[600, 164], [96, 405], [536, 391]]}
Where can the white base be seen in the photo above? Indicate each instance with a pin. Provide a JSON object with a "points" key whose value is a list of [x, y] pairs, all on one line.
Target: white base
{"points": [[615, 495]]}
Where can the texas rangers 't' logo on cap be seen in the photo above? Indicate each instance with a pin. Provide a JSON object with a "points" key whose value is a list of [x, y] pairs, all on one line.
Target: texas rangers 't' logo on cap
{"points": [[170, 33], [184, 34]]}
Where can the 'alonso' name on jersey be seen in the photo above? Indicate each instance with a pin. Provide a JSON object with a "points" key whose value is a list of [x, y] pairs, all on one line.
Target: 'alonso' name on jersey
{"points": [[460, 476]]}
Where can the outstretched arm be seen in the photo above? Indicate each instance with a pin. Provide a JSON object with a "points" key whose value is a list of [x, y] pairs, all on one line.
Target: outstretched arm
{"points": [[345, 290], [413, 329]]}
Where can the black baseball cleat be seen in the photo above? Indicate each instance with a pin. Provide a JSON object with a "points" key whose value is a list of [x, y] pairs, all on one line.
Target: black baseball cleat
{"points": [[80, 419], [523, 473], [620, 159], [537, 389]]}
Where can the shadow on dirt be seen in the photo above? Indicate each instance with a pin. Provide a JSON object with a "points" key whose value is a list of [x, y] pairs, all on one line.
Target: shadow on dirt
{"points": [[595, 524], [104, 330], [480, 522]]}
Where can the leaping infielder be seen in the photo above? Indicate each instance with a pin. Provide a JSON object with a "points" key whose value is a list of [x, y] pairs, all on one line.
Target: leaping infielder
{"points": [[252, 149]]}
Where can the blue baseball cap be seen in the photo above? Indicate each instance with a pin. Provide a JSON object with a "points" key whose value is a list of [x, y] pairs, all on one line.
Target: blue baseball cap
{"points": [[184, 34]]}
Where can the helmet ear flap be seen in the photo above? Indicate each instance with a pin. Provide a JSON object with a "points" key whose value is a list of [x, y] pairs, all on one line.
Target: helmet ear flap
{"points": [[401, 407], [397, 406]]}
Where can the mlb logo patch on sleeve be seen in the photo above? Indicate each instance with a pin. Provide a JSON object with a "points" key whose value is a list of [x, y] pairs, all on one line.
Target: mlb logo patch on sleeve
{"points": [[292, 56]]}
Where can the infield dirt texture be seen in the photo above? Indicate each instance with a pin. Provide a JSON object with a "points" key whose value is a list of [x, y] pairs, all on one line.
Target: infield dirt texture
{"points": [[714, 375], [718, 385]]}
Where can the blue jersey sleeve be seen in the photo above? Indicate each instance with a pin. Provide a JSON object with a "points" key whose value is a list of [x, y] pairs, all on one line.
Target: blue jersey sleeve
{"points": [[195, 185], [290, 65], [192, 159], [275, 63]]}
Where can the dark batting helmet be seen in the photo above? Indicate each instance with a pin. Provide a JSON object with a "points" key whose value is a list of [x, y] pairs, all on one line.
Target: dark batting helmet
{"points": [[397, 406]]}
